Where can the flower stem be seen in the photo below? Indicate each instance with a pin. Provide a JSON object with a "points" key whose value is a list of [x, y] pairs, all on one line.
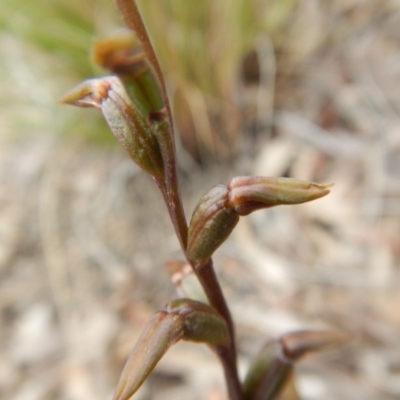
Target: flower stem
{"points": [[206, 275]]}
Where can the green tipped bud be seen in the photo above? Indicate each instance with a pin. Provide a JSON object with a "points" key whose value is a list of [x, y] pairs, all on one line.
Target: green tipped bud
{"points": [[162, 332], [211, 223], [251, 193], [269, 373], [201, 322], [301, 343], [126, 123], [123, 54]]}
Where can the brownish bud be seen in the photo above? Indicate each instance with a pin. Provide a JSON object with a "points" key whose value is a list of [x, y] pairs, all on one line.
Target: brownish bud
{"points": [[164, 330], [251, 193], [126, 123], [212, 222], [182, 319], [123, 54], [269, 373], [201, 322], [272, 369], [89, 93]]}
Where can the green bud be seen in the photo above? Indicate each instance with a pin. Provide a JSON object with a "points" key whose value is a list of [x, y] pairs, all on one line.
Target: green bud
{"points": [[126, 123], [182, 319], [212, 222], [201, 322], [123, 54], [269, 373], [272, 369], [251, 193]]}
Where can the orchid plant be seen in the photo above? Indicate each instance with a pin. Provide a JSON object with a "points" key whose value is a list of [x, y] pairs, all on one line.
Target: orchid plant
{"points": [[134, 102]]}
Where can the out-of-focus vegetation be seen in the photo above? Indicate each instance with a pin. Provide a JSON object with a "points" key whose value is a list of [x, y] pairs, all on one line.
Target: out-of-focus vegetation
{"points": [[202, 47], [228, 63]]}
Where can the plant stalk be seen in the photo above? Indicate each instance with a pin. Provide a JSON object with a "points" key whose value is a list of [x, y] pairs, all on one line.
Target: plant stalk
{"points": [[176, 213], [171, 194], [231, 375], [208, 279]]}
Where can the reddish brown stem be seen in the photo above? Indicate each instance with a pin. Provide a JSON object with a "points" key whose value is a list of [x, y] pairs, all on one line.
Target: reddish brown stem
{"points": [[175, 209], [231, 375], [206, 275]]}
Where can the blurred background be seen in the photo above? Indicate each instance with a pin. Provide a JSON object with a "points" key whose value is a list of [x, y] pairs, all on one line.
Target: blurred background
{"points": [[307, 89]]}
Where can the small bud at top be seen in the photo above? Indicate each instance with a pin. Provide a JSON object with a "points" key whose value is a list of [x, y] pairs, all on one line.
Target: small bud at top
{"points": [[123, 54]]}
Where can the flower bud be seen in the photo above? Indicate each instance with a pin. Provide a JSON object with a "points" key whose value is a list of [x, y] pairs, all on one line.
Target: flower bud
{"points": [[212, 222], [161, 333], [126, 123], [269, 373], [183, 319], [123, 54], [272, 369], [201, 322], [251, 193]]}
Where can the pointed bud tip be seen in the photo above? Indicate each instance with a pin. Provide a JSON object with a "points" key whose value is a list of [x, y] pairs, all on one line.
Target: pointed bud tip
{"points": [[298, 344], [251, 193], [318, 190], [89, 93]]}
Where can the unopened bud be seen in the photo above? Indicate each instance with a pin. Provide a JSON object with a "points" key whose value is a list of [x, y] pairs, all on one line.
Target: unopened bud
{"points": [[212, 222], [201, 322], [125, 122], [123, 54], [269, 373], [272, 369], [251, 193], [162, 332]]}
